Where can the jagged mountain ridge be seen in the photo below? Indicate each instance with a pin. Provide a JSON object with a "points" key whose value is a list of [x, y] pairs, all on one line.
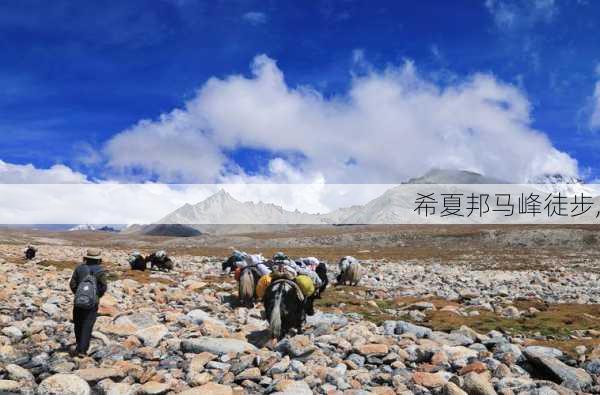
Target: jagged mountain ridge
{"points": [[394, 206], [222, 208]]}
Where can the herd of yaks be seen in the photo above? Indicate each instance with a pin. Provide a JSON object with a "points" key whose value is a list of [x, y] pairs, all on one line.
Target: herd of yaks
{"points": [[286, 287]]}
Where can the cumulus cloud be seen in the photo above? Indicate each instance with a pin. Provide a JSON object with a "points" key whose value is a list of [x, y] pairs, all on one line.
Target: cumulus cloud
{"points": [[29, 174], [390, 125], [255, 17], [176, 147]]}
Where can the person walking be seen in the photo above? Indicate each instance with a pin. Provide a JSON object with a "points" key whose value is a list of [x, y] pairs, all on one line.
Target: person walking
{"points": [[88, 284]]}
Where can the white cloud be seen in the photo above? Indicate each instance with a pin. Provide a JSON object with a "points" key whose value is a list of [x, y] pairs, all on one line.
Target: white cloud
{"points": [[173, 148], [29, 174], [389, 126], [592, 108], [595, 117], [255, 17], [521, 14]]}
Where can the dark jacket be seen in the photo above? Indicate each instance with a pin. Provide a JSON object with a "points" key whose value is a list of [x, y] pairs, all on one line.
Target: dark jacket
{"points": [[96, 269]]}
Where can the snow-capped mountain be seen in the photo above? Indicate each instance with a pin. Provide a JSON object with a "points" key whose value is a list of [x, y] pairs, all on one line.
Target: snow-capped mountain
{"points": [[559, 183], [82, 227], [95, 228], [395, 206], [446, 176], [222, 208]]}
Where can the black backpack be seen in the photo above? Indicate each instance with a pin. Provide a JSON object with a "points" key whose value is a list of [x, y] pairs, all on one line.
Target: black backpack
{"points": [[86, 296]]}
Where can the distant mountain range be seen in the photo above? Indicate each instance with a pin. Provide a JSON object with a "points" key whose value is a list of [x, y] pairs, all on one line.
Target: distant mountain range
{"points": [[94, 228], [222, 208], [394, 206]]}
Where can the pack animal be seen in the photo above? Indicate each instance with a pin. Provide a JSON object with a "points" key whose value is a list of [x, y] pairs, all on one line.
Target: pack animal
{"points": [[284, 307], [350, 271], [249, 277]]}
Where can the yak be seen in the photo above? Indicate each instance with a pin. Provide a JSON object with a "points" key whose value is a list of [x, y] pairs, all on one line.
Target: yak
{"points": [[284, 307], [249, 277], [351, 274]]}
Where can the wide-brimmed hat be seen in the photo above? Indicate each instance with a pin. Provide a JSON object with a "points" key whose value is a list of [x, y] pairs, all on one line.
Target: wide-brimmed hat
{"points": [[93, 253]]}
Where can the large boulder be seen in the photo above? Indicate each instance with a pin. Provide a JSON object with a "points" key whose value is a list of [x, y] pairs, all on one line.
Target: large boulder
{"points": [[573, 378], [216, 345], [64, 384]]}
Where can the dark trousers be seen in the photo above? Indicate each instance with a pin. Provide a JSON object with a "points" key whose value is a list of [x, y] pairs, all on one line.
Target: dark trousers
{"points": [[84, 321]]}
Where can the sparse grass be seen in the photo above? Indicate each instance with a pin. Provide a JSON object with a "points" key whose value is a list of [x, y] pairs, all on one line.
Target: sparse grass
{"points": [[335, 297], [59, 265], [558, 320], [142, 277], [567, 345], [115, 272]]}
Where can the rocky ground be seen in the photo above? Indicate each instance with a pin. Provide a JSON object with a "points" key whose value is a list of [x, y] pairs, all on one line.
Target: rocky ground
{"points": [[411, 326]]}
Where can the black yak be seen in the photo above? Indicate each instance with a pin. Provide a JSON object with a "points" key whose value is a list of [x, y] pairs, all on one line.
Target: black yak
{"points": [[284, 307]]}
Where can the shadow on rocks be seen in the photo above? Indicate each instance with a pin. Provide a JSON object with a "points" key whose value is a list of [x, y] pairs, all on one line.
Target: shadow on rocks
{"points": [[259, 338]]}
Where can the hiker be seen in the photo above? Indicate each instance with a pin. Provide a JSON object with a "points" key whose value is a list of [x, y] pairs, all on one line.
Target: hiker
{"points": [[160, 261], [350, 271], [30, 252], [137, 261], [236, 259], [88, 284]]}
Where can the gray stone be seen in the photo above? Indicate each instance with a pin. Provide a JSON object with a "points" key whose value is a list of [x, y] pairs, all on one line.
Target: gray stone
{"points": [[139, 320], [50, 309], [418, 331], [533, 352], [593, 366], [15, 372], [358, 360], [475, 384], [573, 378], [330, 319], [152, 335], [389, 328], [64, 384], [97, 374], [281, 366], [13, 332], [216, 345], [197, 316], [9, 386]]}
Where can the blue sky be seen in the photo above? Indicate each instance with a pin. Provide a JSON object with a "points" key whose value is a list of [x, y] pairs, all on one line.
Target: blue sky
{"points": [[76, 78]]}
